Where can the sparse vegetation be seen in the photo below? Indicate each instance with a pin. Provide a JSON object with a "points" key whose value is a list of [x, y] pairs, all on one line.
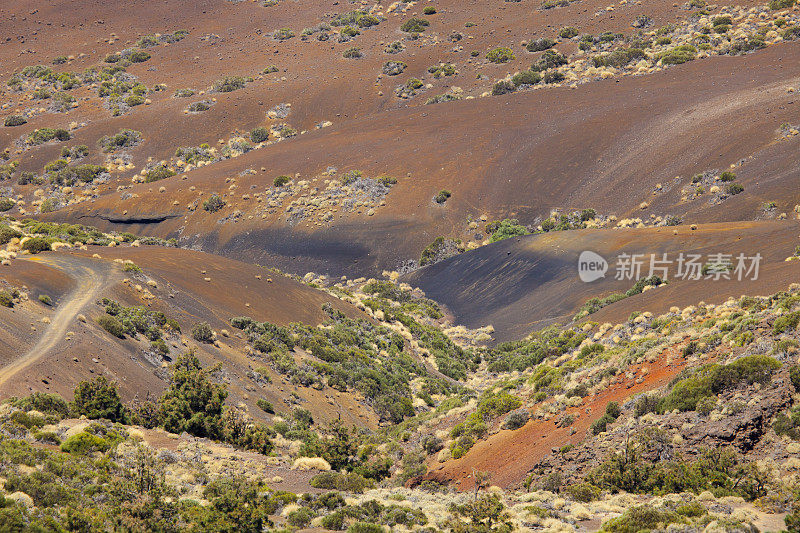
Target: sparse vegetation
{"points": [[500, 55]]}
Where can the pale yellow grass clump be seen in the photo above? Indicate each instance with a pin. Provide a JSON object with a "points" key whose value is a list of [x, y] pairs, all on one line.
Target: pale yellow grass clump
{"points": [[311, 463]]}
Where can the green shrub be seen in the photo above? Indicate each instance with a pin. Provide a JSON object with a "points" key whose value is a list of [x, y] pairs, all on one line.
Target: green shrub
{"points": [[14, 120], [775, 5], [123, 139], [516, 420], [265, 406], [99, 398], [727, 176], [202, 332], [6, 204], [43, 135], [414, 25], [259, 135], [442, 196], [282, 34], [528, 77], [553, 76], [393, 68], [734, 188], [583, 492], [84, 443], [505, 229], [568, 32], [300, 518], [159, 172], [7, 233], [192, 403], [45, 299], [540, 45], [6, 300], [618, 58], [429, 10], [352, 53], [365, 527], [786, 323], [791, 33], [138, 56], [500, 55], [747, 44], [678, 55], [280, 181], [711, 380], [112, 325], [35, 245], [549, 59], [503, 87], [228, 84], [214, 203], [641, 518], [647, 403]]}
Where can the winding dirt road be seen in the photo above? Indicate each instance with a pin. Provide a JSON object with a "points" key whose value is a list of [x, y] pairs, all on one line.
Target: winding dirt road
{"points": [[91, 277]]}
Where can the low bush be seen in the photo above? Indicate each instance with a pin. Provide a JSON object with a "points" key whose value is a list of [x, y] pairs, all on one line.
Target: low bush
{"points": [[540, 45], [414, 25], [568, 32], [15, 120], [35, 245], [393, 68], [734, 189], [710, 380], [528, 77], [503, 87], [442, 196], [44, 135], [516, 420], [549, 59], [500, 55], [202, 332], [282, 34], [619, 58], [678, 55], [228, 84], [123, 139], [259, 135], [352, 53], [280, 181], [776, 5], [111, 325], [6, 204], [158, 173], [213, 204]]}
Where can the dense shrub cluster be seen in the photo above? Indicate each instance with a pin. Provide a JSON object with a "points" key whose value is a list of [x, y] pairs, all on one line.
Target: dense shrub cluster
{"points": [[718, 470], [43, 135], [505, 229], [125, 138], [710, 380]]}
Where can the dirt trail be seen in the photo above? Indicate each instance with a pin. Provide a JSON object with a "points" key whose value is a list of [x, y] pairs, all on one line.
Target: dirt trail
{"points": [[91, 277]]}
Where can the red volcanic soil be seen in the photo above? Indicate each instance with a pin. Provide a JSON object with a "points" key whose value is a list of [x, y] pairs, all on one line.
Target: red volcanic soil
{"points": [[509, 455], [525, 283], [604, 145]]}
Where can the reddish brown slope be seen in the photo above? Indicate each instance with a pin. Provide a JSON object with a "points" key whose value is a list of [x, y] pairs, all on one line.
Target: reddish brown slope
{"points": [[603, 145]]}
